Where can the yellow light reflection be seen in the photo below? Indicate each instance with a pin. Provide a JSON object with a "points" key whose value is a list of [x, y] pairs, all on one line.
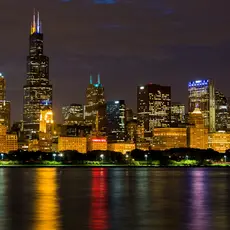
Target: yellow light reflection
{"points": [[47, 215]]}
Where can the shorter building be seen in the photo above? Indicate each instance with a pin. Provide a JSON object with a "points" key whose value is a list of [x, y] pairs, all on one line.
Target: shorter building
{"points": [[45, 142], [5, 113], [11, 142], [144, 146], [177, 114], [122, 147], [3, 130], [197, 133], [219, 141], [72, 143], [46, 121], [33, 145], [97, 143], [8, 142], [167, 138], [131, 131]]}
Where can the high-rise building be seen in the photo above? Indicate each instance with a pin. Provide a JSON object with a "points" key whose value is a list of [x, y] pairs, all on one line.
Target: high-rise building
{"points": [[154, 106], [95, 100], [38, 90], [202, 95], [73, 114], [4, 105], [2, 88], [221, 111], [46, 130], [115, 113], [177, 114], [197, 133]]}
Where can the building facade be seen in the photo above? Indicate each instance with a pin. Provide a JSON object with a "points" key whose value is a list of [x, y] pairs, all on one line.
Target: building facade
{"points": [[167, 138], [197, 133], [72, 143], [202, 96], [97, 143], [222, 113], [73, 114], [115, 113], [38, 90], [95, 99], [219, 141], [154, 106], [122, 147], [4, 105], [177, 114]]}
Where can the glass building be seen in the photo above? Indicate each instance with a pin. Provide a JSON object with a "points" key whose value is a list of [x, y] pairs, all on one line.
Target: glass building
{"points": [[38, 90], [221, 111], [115, 113], [154, 106], [202, 96]]}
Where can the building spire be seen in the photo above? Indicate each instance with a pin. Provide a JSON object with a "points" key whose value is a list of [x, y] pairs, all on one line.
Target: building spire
{"points": [[33, 25], [91, 80], [98, 79], [38, 23]]}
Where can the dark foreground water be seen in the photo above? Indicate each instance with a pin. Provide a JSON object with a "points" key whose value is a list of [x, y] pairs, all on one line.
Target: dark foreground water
{"points": [[100, 199]]}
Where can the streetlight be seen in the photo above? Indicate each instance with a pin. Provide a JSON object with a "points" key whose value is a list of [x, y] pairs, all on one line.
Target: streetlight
{"points": [[186, 157], [102, 157], [54, 156], [61, 155], [146, 158], [2, 155], [225, 158]]}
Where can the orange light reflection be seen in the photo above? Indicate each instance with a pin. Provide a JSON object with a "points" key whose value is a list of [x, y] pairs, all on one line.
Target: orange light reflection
{"points": [[46, 202]]}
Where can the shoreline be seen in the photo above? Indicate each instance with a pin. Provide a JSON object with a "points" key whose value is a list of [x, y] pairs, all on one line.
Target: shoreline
{"points": [[108, 166]]}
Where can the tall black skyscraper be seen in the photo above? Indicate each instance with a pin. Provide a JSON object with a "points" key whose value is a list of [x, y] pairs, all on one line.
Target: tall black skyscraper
{"points": [[154, 106], [95, 103], [115, 113], [38, 90]]}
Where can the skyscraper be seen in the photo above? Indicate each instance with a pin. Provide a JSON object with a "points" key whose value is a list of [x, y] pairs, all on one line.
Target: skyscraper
{"points": [[2, 88], [38, 90], [202, 96], [4, 105], [95, 101], [115, 113], [221, 103], [154, 106]]}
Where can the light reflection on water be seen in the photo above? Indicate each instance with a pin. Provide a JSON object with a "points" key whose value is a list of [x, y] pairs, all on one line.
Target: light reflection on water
{"points": [[112, 199], [46, 206]]}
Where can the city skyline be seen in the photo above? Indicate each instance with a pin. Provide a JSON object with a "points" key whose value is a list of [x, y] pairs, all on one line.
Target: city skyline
{"points": [[120, 65]]}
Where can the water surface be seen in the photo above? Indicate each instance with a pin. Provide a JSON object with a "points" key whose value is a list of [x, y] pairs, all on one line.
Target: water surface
{"points": [[114, 198]]}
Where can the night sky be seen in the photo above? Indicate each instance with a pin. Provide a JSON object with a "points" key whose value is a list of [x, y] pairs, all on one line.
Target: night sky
{"points": [[129, 42]]}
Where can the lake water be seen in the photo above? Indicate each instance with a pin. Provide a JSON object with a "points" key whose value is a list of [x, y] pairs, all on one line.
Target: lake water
{"points": [[114, 198]]}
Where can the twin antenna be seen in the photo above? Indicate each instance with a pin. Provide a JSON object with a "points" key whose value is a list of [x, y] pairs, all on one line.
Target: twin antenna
{"points": [[98, 79], [36, 25]]}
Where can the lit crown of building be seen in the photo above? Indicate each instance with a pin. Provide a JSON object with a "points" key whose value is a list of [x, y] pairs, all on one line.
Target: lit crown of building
{"points": [[36, 25]]}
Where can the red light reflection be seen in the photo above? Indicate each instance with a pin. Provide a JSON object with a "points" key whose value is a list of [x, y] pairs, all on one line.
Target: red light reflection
{"points": [[99, 200]]}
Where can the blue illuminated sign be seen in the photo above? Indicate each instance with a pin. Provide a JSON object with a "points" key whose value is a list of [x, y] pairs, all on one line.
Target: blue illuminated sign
{"points": [[198, 83]]}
